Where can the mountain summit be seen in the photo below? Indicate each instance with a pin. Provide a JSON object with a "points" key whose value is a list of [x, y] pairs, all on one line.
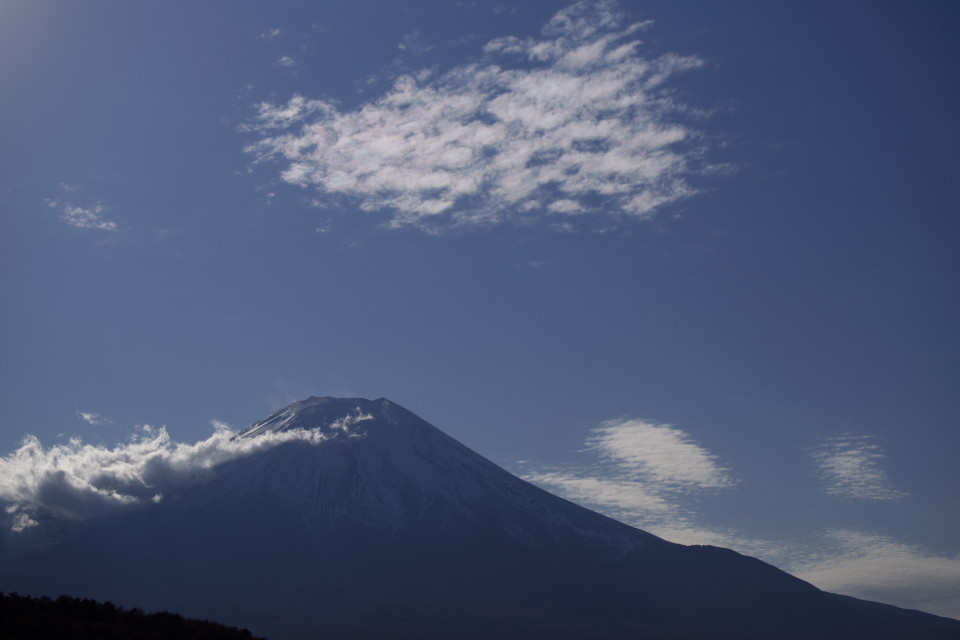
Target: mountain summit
{"points": [[380, 467], [368, 522]]}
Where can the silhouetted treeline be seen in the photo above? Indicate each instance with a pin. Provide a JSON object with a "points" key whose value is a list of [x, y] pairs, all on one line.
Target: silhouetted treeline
{"points": [[66, 618]]}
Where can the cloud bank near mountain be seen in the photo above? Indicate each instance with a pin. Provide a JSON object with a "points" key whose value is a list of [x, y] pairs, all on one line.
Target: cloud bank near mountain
{"points": [[79, 481]]}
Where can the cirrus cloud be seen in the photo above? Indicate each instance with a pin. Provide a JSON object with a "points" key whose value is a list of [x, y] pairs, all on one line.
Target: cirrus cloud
{"points": [[642, 472], [851, 468], [660, 453], [575, 123], [646, 470]]}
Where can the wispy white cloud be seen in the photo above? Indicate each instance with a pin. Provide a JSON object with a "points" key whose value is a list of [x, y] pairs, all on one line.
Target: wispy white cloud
{"points": [[92, 418], [270, 34], [649, 506], [876, 567], [644, 472], [286, 61], [641, 470], [851, 467], [91, 217], [620, 496], [575, 123], [661, 454], [79, 481], [638, 503]]}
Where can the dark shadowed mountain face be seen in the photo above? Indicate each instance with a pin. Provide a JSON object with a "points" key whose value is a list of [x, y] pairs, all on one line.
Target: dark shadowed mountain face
{"points": [[378, 525]]}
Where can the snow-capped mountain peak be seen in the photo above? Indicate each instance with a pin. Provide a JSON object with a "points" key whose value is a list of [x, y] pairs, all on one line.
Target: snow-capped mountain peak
{"points": [[326, 414], [379, 465], [354, 518]]}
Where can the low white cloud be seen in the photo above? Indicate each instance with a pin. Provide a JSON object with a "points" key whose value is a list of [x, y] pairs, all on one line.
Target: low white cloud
{"points": [[269, 34], [876, 567], [79, 481], [577, 122], [286, 61], [91, 217], [851, 467]]}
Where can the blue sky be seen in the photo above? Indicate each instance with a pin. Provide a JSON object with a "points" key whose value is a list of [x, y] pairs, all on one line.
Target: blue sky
{"points": [[691, 264]]}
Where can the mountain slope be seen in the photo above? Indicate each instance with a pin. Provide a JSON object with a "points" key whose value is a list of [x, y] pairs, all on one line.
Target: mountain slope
{"points": [[376, 524]]}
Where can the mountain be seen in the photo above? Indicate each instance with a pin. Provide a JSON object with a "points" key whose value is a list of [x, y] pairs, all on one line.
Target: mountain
{"points": [[375, 524]]}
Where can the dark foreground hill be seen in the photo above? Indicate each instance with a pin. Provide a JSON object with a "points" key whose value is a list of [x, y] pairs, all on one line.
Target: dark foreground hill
{"points": [[26, 618], [374, 524]]}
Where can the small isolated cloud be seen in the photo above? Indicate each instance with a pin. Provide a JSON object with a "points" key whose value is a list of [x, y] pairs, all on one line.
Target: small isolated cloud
{"points": [[876, 567], [92, 418], [80, 481], [660, 454], [84, 217], [851, 467], [270, 34], [286, 61], [575, 123]]}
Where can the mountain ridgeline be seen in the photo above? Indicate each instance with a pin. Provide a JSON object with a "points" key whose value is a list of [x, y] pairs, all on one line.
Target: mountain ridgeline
{"points": [[381, 526]]}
